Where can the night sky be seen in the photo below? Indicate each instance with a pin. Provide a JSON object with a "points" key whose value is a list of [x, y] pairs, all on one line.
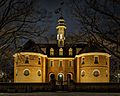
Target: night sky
{"points": [[51, 6]]}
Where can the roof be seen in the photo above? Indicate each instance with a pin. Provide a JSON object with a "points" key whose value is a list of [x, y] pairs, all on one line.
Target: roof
{"points": [[92, 47], [31, 46]]}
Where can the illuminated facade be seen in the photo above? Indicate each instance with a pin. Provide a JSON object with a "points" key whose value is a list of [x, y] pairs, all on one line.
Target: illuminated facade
{"points": [[41, 63]]}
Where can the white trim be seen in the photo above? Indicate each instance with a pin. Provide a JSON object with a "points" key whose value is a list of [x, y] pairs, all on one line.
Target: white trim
{"points": [[93, 53], [29, 53]]}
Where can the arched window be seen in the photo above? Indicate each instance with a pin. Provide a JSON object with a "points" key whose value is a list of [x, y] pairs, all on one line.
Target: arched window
{"points": [[96, 61], [51, 51], [60, 51], [39, 61], [82, 60], [70, 52], [26, 72]]}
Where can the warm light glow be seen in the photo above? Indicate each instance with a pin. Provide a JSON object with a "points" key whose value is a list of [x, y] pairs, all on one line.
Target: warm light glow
{"points": [[93, 53], [29, 53], [60, 27]]}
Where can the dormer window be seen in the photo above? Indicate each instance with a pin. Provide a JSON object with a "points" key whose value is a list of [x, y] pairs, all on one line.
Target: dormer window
{"points": [[60, 51], [83, 60], [70, 52], [96, 60], [26, 59], [51, 51]]}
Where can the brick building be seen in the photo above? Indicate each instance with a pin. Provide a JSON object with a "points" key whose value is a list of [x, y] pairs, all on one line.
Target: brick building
{"points": [[41, 63]]}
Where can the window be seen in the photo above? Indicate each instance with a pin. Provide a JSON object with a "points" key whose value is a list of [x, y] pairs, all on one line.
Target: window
{"points": [[96, 60], [39, 61], [60, 63], [39, 72], [61, 43], [57, 36], [70, 52], [26, 72], [51, 51], [83, 60], [26, 59], [60, 77], [61, 37], [60, 51], [51, 63], [96, 72], [106, 73], [82, 73], [71, 62], [16, 72]]}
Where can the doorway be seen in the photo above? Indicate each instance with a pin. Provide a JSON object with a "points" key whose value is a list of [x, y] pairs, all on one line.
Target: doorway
{"points": [[60, 78], [52, 77]]}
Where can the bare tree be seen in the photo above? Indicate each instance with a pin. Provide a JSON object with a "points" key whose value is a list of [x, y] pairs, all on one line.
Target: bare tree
{"points": [[20, 20], [100, 19]]}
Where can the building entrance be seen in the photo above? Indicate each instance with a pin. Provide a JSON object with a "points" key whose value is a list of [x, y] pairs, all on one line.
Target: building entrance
{"points": [[60, 79]]}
